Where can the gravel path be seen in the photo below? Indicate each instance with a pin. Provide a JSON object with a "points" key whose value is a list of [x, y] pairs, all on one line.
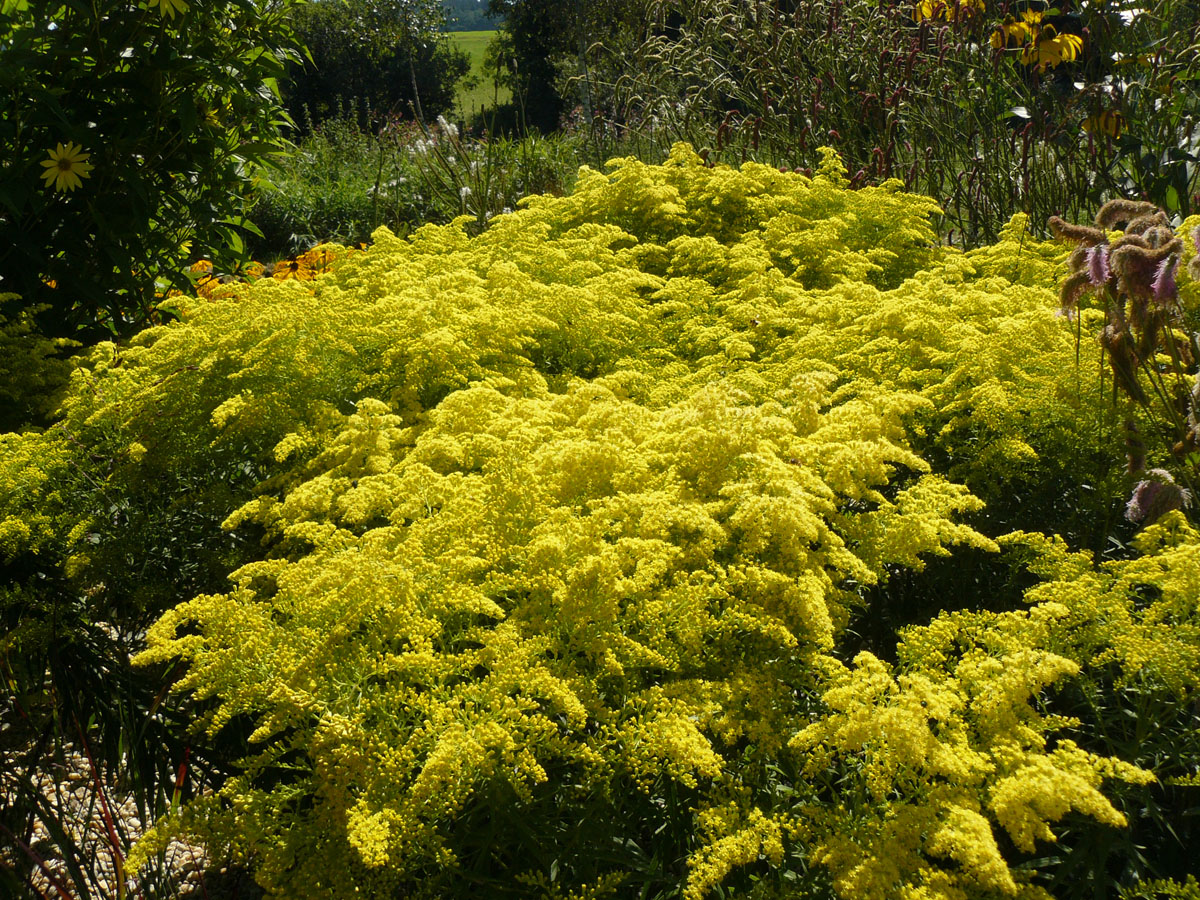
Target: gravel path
{"points": [[69, 788]]}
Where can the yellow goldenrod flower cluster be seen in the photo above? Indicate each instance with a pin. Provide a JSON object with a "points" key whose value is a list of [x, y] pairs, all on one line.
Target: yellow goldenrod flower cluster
{"points": [[563, 524]]}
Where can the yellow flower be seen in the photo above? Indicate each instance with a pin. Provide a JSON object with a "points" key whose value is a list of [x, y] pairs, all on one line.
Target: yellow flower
{"points": [[1050, 48], [66, 166], [1009, 34], [947, 9], [1109, 122], [925, 9], [168, 8], [965, 8], [1039, 42]]}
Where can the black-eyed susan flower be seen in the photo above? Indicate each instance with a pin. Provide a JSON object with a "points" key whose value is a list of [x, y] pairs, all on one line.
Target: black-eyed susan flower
{"points": [[1109, 122], [1010, 34], [946, 9], [1041, 44], [168, 8], [1049, 48], [1038, 42], [288, 268], [66, 166]]}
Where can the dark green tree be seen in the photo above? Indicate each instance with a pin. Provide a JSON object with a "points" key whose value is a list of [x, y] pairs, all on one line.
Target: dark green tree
{"points": [[540, 32], [552, 49], [388, 57], [468, 15]]}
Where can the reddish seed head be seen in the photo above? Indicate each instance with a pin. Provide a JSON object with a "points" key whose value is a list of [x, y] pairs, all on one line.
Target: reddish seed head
{"points": [[1155, 497], [1164, 287], [1097, 265]]}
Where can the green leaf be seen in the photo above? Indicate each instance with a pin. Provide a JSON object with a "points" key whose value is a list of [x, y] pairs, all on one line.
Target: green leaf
{"points": [[1171, 200]]}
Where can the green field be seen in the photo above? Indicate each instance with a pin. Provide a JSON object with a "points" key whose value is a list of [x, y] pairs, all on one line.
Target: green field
{"points": [[478, 91]]}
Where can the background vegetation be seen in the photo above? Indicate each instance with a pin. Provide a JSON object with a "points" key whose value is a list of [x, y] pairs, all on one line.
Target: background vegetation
{"points": [[891, 376], [176, 106], [372, 59], [468, 15], [989, 108], [481, 90]]}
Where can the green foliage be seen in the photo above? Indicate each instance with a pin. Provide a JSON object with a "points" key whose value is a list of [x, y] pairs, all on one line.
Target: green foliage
{"points": [[535, 32], [381, 58], [547, 543], [481, 91], [919, 91], [1146, 72], [71, 701], [344, 182], [32, 370], [332, 187], [545, 42], [467, 15], [173, 102]]}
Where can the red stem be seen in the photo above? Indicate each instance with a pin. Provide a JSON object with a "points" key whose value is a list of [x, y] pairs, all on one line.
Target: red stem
{"points": [[41, 864], [114, 841]]}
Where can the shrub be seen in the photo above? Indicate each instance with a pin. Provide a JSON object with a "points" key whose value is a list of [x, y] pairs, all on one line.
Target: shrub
{"points": [[148, 121], [32, 370], [547, 546]]}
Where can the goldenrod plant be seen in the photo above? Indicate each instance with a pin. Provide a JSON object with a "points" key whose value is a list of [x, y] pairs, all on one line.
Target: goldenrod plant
{"points": [[532, 562]]}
